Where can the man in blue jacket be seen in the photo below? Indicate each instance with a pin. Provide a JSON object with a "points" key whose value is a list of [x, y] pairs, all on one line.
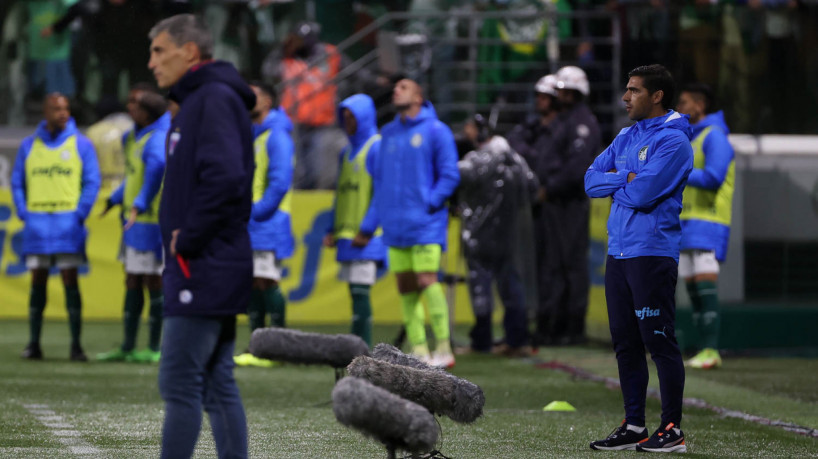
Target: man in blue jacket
{"points": [[415, 173], [706, 214], [270, 225], [138, 195], [645, 170], [54, 184], [359, 257], [206, 204]]}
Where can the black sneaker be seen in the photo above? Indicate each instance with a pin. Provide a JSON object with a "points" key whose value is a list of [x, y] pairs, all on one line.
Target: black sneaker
{"points": [[77, 354], [32, 352], [621, 439], [665, 441]]}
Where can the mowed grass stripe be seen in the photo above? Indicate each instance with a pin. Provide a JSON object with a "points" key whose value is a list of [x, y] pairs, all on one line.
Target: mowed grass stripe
{"points": [[64, 431]]}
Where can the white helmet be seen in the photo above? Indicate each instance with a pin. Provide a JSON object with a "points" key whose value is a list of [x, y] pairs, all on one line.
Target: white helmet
{"points": [[571, 77], [547, 85]]}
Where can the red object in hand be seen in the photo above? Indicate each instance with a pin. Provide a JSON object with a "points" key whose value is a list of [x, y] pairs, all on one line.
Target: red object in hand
{"points": [[183, 264]]}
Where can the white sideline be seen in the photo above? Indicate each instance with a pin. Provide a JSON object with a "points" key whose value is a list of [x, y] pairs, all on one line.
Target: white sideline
{"points": [[62, 430]]}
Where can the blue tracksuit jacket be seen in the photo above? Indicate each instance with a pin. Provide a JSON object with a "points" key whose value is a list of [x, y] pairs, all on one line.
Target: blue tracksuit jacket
{"points": [[644, 218], [271, 227], [718, 154], [146, 236], [415, 173], [55, 232]]}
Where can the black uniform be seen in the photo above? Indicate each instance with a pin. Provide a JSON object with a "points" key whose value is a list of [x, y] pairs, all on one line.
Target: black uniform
{"points": [[561, 153]]}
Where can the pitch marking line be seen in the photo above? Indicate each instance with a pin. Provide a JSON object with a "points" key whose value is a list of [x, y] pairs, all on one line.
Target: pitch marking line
{"points": [[62, 430], [613, 383]]}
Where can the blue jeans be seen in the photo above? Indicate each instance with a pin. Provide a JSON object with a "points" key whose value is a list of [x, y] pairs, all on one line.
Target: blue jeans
{"points": [[196, 370]]}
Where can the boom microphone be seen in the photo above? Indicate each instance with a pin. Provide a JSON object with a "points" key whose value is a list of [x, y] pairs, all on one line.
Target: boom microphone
{"points": [[395, 422], [438, 391], [306, 348]]}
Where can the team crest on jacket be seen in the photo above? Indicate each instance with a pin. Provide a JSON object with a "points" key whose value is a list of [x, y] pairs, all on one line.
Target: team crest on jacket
{"points": [[173, 141], [65, 155], [643, 153], [417, 140]]}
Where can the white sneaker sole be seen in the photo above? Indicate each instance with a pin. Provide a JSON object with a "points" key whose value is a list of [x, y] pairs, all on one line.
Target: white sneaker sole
{"points": [[672, 449], [628, 447]]}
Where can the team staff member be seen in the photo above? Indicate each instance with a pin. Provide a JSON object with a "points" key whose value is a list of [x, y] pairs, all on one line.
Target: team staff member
{"points": [[144, 149], [359, 257], [415, 172], [54, 184], [706, 213], [270, 226], [206, 203], [645, 170]]}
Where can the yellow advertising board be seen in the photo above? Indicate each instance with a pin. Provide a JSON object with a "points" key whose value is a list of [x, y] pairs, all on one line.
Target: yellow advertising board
{"points": [[314, 294]]}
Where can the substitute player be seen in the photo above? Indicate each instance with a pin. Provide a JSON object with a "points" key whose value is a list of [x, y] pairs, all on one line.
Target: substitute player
{"points": [[54, 184], [415, 173], [359, 256], [706, 213], [270, 224], [144, 149]]}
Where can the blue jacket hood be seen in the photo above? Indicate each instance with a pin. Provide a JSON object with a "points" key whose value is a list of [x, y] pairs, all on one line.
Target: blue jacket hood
{"points": [[671, 120], [43, 133], [714, 119], [277, 118], [427, 111], [213, 72], [363, 108]]}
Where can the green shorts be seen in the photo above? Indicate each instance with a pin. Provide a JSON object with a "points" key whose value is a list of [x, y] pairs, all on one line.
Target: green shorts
{"points": [[417, 258]]}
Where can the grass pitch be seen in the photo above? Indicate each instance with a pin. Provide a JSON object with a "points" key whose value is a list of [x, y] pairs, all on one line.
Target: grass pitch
{"points": [[60, 409]]}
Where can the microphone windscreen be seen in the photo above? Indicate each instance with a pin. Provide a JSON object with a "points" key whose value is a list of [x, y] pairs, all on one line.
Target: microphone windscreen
{"points": [[391, 354], [439, 391], [376, 412], [295, 346]]}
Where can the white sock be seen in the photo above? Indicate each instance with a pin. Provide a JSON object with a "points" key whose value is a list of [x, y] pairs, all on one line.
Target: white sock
{"points": [[636, 429]]}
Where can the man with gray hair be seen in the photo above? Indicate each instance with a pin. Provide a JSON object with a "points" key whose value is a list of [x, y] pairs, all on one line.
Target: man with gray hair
{"points": [[205, 207]]}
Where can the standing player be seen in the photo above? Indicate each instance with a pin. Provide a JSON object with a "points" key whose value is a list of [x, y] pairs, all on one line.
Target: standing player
{"points": [[141, 241], [359, 256], [54, 184], [645, 170], [415, 173], [706, 212], [270, 226]]}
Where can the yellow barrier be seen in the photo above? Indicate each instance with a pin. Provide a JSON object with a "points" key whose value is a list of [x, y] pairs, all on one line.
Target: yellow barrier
{"points": [[315, 295]]}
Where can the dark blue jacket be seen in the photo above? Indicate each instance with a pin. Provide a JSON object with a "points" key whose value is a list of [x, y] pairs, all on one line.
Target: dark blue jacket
{"points": [[207, 193], [415, 173], [644, 218]]}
